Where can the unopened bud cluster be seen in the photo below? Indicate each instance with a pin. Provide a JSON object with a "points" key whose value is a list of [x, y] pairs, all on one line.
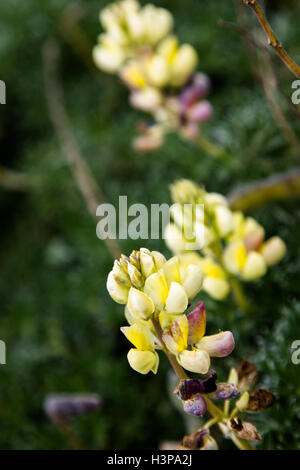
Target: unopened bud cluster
{"points": [[139, 46], [225, 244]]}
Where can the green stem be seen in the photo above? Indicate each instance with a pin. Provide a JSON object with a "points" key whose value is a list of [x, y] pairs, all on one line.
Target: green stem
{"points": [[241, 444], [209, 147], [238, 294]]}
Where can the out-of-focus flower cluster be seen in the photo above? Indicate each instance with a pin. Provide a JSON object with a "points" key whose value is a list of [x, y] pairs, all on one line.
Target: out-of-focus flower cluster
{"points": [[157, 294], [138, 46], [230, 244]]}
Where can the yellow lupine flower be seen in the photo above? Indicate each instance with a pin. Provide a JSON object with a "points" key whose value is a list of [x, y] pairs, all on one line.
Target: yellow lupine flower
{"points": [[132, 73], [273, 250], [140, 335], [156, 288], [177, 300], [143, 361], [139, 304]]}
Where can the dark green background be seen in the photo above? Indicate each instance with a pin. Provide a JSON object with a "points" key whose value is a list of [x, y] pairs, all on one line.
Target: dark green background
{"points": [[59, 324]]}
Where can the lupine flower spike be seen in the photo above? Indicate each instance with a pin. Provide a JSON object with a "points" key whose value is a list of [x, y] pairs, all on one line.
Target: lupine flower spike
{"points": [[157, 294], [226, 246], [160, 73]]}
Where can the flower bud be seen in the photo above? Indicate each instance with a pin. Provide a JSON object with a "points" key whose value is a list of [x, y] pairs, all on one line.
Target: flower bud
{"points": [[195, 406], [273, 250], [143, 361], [235, 257], [183, 65], [194, 91], [225, 391], [118, 291], [196, 360], [136, 277], [197, 323], [132, 74], [185, 191], [177, 300], [192, 280], [219, 345], [108, 59], [147, 262], [217, 288], [157, 71], [223, 220], [156, 288], [140, 304], [148, 99], [149, 141], [158, 22], [233, 377], [174, 238], [242, 403], [200, 112], [255, 267]]}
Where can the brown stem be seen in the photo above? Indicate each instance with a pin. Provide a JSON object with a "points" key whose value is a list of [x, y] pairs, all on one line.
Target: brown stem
{"points": [[263, 69], [272, 39], [83, 176], [68, 433], [13, 180]]}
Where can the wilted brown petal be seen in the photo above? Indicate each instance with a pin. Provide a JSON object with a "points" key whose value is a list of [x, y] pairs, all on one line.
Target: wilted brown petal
{"points": [[187, 388], [247, 374], [245, 430], [196, 440], [260, 399]]}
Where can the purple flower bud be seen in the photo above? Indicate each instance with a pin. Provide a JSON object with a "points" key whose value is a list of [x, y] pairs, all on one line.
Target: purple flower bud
{"points": [[197, 88], [68, 406], [225, 391], [188, 388], [197, 323], [200, 112], [195, 406]]}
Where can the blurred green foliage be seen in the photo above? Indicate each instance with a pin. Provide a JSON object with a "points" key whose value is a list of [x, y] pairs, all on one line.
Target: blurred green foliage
{"points": [[60, 326]]}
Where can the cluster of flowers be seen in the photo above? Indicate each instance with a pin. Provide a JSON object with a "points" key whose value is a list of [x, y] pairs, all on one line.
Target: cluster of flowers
{"points": [[231, 244], [230, 421], [157, 294], [138, 46]]}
